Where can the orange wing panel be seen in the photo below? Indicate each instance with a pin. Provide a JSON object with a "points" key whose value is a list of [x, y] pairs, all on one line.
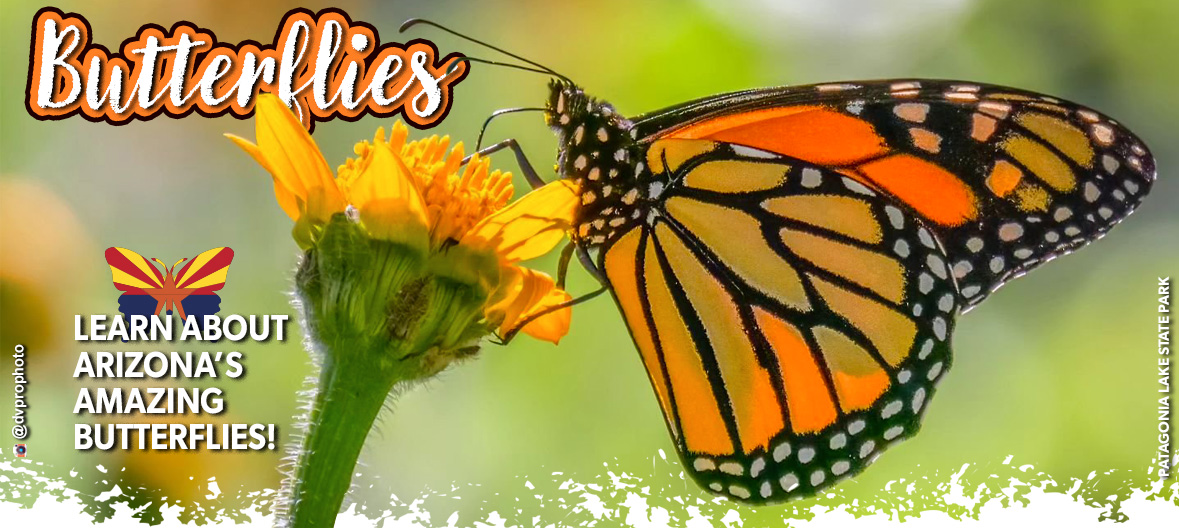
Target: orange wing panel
{"points": [[808, 399], [811, 133], [934, 192]]}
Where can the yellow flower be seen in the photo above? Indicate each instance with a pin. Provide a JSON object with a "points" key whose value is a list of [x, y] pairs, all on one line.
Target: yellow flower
{"points": [[419, 194]]}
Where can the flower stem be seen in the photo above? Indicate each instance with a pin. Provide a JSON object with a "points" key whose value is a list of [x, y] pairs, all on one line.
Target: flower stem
{"points": [[378, 316], [349, 398]]}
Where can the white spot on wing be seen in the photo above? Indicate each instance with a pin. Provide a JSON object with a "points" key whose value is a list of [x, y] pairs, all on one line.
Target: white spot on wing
{"points": [[811, 178], [756, 468], [788, 482], [840, 467], [739, 491], [925, 283], [926, 349], [655, 190], [806, 454], [866, 448], [858, 187], [856, 426], [926, 238], [782, 451], [894, 216], [750, 152], [918, 399], [732, 468], [901, 248], [838, 87]]}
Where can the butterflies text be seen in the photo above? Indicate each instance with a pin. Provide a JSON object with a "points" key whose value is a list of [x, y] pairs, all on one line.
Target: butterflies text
{"points": [[323, 65]]}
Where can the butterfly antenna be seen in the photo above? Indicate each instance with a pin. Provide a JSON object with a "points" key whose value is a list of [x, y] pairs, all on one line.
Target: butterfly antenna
{"points": [[416, 21], [178, 262], [504, 64]]}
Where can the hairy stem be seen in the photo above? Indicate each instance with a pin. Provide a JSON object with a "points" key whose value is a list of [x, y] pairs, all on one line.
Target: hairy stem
{"points": [[350, 396]]}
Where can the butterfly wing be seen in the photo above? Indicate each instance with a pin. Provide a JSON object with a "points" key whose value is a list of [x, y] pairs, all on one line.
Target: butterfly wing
{"points": [[131, 274], [206, 274], [1007, 179], [792, 320]]}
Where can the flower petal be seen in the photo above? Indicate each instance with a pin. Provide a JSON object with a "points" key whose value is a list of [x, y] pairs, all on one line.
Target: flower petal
{"points": [[530, 226], [286, 199], [391, 207], [292, 156], [511, 297], [386, 182], [524, 292], [554, 325]]}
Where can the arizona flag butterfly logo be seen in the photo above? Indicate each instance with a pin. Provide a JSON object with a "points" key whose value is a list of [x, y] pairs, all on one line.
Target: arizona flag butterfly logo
{"points": [[189, 291]]}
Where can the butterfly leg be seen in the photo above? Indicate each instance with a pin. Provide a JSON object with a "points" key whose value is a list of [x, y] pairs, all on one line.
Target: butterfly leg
{"points": [[563, 264], [586, 261], [525, 166]]}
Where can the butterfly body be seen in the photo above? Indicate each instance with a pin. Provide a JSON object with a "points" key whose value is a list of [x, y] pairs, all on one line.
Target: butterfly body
{"points": [[791, 262], [168, 297], [599, 153]]}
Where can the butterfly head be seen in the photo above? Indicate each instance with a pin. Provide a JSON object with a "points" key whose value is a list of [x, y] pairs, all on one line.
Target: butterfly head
{"points": [[580, 119], [566, 102], [169, 272]]}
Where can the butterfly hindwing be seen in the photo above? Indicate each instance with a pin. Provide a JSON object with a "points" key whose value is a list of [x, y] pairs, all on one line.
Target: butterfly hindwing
{"points": [[1006, 178], [793, 321]]}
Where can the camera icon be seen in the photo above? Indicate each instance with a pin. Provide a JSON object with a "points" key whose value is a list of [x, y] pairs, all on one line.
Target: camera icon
{"points": [[20, 450]]}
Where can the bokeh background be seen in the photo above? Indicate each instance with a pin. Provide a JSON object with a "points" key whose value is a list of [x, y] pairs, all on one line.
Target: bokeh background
{"points": [[1056, 370]]}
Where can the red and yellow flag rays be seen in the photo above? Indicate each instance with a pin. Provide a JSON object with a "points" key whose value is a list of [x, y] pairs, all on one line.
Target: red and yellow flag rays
{"points": [[207, 272], [131, 272]]}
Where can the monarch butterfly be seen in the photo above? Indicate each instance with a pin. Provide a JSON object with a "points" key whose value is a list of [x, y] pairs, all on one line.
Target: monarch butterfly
{"points": [[790, 262]]}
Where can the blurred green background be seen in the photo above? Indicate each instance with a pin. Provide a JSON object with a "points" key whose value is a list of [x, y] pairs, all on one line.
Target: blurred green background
{"points": [[1056, 369]]}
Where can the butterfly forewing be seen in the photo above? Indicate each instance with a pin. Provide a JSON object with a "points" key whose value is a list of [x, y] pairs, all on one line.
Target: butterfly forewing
{"points": [[1007, 179], [793, 321]]}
